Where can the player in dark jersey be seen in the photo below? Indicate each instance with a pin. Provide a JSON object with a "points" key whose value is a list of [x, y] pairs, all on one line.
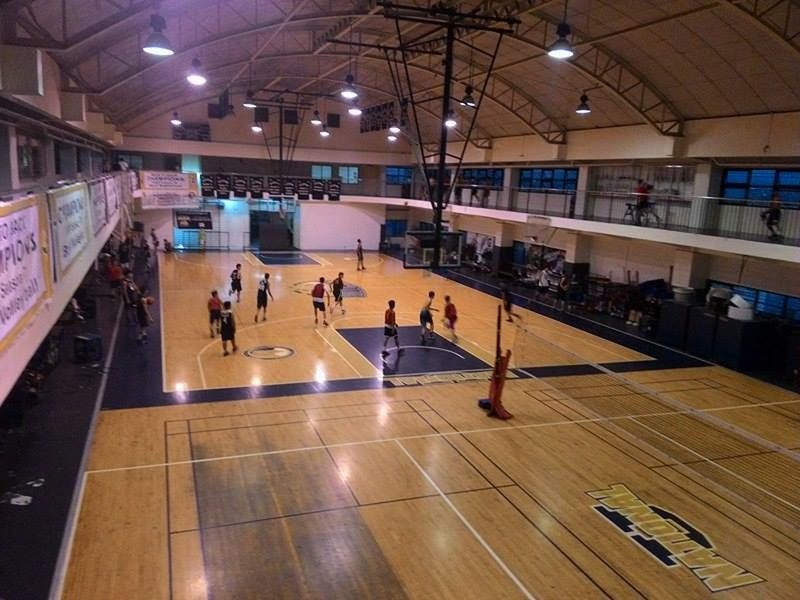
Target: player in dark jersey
{"points": [[505, 296], [337, 289], [426, 319], [390, 328], [261, 297], [227, 328], [318, 294], [360, 256], [214, 310], [236, 282]]}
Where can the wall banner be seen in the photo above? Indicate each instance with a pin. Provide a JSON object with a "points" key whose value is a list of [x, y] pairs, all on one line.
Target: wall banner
{"points": [[169, 180], [69, 218], [303, 189], [239, 186], [113, 192], [193, 219], [207, 185], [255, 184], [24, 281], [97, 198], [160, 199]]}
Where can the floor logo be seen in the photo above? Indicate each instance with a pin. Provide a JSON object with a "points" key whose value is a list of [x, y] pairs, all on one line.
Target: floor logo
{"points": [[268, 352], [670, 539]]}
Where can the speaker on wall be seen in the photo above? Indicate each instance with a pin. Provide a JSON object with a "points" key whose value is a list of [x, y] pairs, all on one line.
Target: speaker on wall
{"points": [[261, 114]]}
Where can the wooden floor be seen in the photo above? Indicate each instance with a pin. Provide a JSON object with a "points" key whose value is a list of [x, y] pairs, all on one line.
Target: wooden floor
{"points": [[668, 483]]}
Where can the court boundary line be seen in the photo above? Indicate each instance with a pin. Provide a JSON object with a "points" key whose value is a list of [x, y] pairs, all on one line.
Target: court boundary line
{"points": [[503, 566], [336, 351], [68, 537], [419, 436]]}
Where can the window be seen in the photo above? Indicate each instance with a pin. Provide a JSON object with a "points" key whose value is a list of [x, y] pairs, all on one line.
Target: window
{"points": [[321, 172], [548, 179], [396, 227], [398, 175], [490, 177], [764, 302], [760, 184], [30, 156], [348, 174]]}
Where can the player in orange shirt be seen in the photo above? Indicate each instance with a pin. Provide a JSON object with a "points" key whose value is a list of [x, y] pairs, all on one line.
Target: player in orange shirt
{"points": [[214, 312], [450, 317], [390, 328]]}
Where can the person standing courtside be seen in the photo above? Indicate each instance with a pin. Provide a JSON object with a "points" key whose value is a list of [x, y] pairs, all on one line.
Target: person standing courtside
{"points": [[360, 256], [318, 294], [426, 319], [236, 282], [390, 328], [227, 328], [261, 297], [337, 289], [214, 312]]}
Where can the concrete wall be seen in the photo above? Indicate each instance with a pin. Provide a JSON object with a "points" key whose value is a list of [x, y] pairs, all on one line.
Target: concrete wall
{"points": [[335, 225]]}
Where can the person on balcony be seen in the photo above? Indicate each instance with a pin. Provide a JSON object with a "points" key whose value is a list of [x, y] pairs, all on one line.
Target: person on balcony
{"points": [[642, 193], [772, 218]]}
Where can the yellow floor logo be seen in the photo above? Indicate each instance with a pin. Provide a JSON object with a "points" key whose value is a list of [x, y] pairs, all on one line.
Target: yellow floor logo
{"points": [[670, 539]]}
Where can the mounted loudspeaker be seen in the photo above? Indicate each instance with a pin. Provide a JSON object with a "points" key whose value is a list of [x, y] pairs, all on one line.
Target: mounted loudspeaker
{"points": [[261, 114]]}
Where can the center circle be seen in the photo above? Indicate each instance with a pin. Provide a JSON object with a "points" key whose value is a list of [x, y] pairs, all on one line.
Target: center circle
{"points": [[268, 352]]}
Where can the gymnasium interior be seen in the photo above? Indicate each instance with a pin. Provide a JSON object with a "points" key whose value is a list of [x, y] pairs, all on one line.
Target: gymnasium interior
{"points": [[373, 299]]}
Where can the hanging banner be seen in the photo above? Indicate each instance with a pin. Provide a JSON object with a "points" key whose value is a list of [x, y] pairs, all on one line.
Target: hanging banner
{"points": [[132, 181], [193, 219], [334, 189], [69, 219], [24, 281], [207, 185], [274, 187], [303, 189], [112, 186], [169, 180], [239, 186], [255, 185], [153, 200], [222, 184], [289, 186], [97, 199], [318, 189]]}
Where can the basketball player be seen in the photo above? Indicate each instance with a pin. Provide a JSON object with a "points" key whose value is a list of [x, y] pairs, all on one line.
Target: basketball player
{"points": [[450, 317], [318, 298], [261, 297], [505, 296], [426, 318], [143, 317], [360, 256], [214, 310], [337, 287], [236, 282], [227, 328], [390, 328]]}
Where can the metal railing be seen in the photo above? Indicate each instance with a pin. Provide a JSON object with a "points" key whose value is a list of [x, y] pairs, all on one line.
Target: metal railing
{"points": [[195, 239]]}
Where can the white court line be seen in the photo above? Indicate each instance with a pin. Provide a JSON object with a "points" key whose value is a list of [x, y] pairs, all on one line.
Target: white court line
{"points": [[332, 347], [421, 436], [469, 526], [161, 309], [65, 552], [254, 262]]}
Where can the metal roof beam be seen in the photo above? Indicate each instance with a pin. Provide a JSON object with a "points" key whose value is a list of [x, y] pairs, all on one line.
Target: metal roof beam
{"points": [[780, 18]]}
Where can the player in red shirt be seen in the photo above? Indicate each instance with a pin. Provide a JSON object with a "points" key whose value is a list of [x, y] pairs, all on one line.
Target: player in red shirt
{"points": [[214, 312], [318, 294], [390, 328], [450, 317]]}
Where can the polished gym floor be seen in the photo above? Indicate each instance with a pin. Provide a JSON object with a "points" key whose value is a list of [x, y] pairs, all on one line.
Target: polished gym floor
{"points": [[306, 465]]}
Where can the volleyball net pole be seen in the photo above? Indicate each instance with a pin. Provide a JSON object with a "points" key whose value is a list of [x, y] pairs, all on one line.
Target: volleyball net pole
{"points": [[498, 380]]}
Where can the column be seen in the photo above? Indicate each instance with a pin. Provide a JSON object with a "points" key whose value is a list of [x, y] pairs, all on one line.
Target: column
{"points": [[577, 255], [689, 269], [703, 211], [580, 193], [503, 255]]}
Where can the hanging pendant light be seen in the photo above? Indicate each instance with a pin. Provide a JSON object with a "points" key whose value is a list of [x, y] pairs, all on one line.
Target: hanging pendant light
{"points": [[468, 100], [561, 48], [175, 120], [256, 127], [349, 90], [157, 43], [324, 132], [391, 137], [354, 110], [248, 100], [316, 121], [195, 76], [450, 121], [583, 107], [394, 128]]}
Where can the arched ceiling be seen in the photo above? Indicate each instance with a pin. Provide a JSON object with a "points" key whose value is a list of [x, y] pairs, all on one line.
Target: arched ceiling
{"points": [[640, 61]]}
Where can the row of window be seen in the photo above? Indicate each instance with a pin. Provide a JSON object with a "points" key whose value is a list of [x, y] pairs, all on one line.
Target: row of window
{"points": [[766, 303], [346, 173], [761, 184], [548, 179]]}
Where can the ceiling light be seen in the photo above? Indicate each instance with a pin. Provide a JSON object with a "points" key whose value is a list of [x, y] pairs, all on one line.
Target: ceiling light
{"points": [[349, 90], [157, 43], [195, 75], [468, 99], [561, 48], [315, 119], [256, 128], [450, 121], [248, 100], [394, 128], [324, 131], [175, 121], [354, 111], [583, 107], [391, 137]]}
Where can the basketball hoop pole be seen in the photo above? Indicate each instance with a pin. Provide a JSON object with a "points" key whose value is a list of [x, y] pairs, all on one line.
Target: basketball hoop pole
{"points": [[497, 350]]}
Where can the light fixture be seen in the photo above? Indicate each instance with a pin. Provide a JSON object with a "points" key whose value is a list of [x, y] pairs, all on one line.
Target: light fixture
{"points": [[391, 137], [195, 75], [468, 99], [315, 119], [394, 128], [349, 90], [583, 107], [248, 100], [324, 131], [450, 121], [157, 43], [256, 127], [561, 48], [175, 121], [355, 110]]}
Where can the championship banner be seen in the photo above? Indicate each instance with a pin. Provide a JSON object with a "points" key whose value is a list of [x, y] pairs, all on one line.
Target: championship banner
{"points": [[24, 282], [289, 186], [207, 185], [274, 187], [222, 184], [255, 185], [193, 219], [97, 200], [154, 200], [378, 117], [69, 217], [318, 189], [303, 189], [334, 189], [169, 180], [113, 191], [239, 186]]}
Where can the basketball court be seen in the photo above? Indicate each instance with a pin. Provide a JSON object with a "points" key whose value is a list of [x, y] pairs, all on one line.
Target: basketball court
{"points": [[309, 466]]}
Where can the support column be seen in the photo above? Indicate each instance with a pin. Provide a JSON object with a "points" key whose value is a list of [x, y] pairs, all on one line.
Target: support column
{"points": [[580, 194], [577, 255], [690, 269], [703, 211], [505, 195], [503, 255]]}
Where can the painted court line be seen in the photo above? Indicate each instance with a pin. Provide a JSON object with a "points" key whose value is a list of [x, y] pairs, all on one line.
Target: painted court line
{"points": [[469, 526], [161, 465]]}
